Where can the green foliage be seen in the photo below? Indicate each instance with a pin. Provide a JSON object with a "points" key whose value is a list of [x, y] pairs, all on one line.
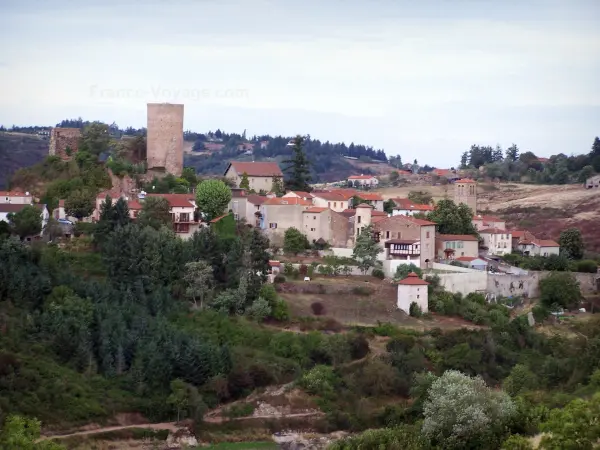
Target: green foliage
{"points": [[80, 204], [245, 182], [299, 166], [239, 410], [366, 249], [571, 243], [461, 411], [517, 442], [559, 288], [26, 222], [225, 226], [420, 197], [294, 241], [415, 310], [277, 187], [212, 197], [155, 213], [586, 266], [400, 438], [378, 273], [321, 381], [20, 433], [520, 379], [403, 270], [95, 139], [453, 219]]}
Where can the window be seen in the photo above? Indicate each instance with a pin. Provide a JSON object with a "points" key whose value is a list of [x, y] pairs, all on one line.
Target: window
{"points": [[387, 234], [462, 253], [135, 213], [182, 228], [329, 204], [314, 217], [460, 244], [272, 225], [312, 229], [358, 219], [335, 204], [417, 295], [236, 216], [184, 217], [427, 234]]}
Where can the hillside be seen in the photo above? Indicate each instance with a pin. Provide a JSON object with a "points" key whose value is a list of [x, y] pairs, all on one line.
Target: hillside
{"points": [[545, 210], [19, 150]]}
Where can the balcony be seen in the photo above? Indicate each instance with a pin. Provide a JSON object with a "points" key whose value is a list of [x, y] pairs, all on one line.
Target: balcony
{"points": [[402, 249]]}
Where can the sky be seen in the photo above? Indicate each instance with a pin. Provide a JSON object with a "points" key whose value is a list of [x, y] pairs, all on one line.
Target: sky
{"points": [[424, 79]]}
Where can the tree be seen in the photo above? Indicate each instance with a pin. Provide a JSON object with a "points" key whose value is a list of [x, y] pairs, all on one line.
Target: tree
{"points": [[388, 206], [571, 243], [452, 218], [512, 153], [586, 172], [200, 282], [4, 229], [420, 197], [186, 400], [245, 183], [520, 379], [366, 249], [80, 204], [27, 222], [559, 289], [403, 270], [155, 213], [20, 433], [462, 412], [95, 138], [394, 177], [294, 241], [299, 167], [212, 197], [574, 427], [517, 442], [277, 186]]}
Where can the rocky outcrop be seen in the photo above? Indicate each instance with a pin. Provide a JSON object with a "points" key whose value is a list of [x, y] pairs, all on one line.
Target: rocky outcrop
{"points": [[181, 439], [298, 441]]}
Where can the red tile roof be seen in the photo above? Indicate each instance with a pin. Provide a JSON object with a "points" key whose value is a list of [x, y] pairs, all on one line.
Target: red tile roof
{"points": [[256, 169], [361, 177], [213, 146], [112, 193], [61, 203], [177, 200], [441, 172], [456, 237], [517, 233], [403, 172], [256, 199], [315, 209], [465, 180], [274, 263], [12, 207], [364, 205], [330, 196], [466, 258], [418, 221], [301, 194], [370, 196], [14, 194], [494, 231], [348, 212], [216, 219], [378, 213], [413, 280], [546, 243], [134, 205], [287, 201], [406, 204]]}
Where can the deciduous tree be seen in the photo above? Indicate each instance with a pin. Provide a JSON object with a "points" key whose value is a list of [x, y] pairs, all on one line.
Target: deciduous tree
{"points": [[212, 197], [294, 241], [452, 218], [155, 213], [571, 243], [80, 204], [200, 282], [366, 249], [27, 222], [245, 182], [560, 289]]}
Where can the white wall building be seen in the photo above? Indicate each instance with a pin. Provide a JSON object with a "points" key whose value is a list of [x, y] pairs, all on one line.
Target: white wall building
{"points": [[363, 180], [412, 289], [498, 242]]}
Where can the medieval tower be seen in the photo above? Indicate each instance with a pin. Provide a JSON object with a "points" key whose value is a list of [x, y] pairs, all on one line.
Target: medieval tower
{"points": [[165, 138], [465, 191], [64, 142]]}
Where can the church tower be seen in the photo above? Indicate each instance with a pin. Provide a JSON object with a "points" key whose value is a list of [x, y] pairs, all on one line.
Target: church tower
{"points": [[465, 191]]}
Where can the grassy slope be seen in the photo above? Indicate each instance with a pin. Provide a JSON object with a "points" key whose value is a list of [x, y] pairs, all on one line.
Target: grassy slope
{"points": [[19, 150]]}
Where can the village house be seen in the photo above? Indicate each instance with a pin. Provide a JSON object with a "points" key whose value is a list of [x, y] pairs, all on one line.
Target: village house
{"points": [[406, 235], [299, 194], [531, 246], [8, 208], [325, 225], [182, 209], [481, 222], [405, 207], [452, 246], [18, 198], [363, 181], [260, 174], [372, 198], [279, 214], [592, 182], [412, 289], [498, 241], [332, 200]]}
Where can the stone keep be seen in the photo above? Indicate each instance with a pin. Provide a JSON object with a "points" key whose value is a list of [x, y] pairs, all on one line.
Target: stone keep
{"points": [[165, 138], [62, 139]]}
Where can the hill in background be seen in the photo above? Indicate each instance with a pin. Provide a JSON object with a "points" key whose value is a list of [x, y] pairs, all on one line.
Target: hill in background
{"points": [[18, 150]]}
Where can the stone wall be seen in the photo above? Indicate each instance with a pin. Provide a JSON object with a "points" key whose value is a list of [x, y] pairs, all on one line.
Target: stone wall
{"points": [[165, 138], [63, 138]]}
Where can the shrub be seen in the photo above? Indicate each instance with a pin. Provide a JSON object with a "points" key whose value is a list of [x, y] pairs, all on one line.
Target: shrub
{"points": [[280, 311], [378, 273], [239, 410], [288, 268], [280, 279], [332, 325], [362, 290], [586, 265], [540, 313], [303, 270], [415, 310], [317, 308], [320, 380]]}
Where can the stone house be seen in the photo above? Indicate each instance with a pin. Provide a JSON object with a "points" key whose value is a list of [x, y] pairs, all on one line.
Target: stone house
{"points": [[405, 207], [406, 229], [18, 198], [279, 214], [299, 194], [363, 181], [532, 246], [326, 224], [260, 174], [452, 246], [332, 200], [481, 222], [592, 182], [372, 198], [498, 241], [412, 289]]}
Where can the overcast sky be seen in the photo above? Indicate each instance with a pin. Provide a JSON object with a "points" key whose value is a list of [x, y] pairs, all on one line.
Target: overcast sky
{"points": [[424, 79]]}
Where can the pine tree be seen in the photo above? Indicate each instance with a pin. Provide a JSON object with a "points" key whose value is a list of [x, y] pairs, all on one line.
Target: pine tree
{"points": [[245, 182], [300, 172]]}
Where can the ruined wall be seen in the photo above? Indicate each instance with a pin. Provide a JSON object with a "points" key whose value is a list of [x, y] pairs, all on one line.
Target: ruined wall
{"points": [[61, 138], [165, 138]]}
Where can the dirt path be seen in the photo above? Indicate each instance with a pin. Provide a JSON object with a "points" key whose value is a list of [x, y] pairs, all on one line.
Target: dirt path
{"points": [[171, 426], [272, 416]]}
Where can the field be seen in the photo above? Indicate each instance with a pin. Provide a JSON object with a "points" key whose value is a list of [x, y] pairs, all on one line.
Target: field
{"points": [[545, 210]]}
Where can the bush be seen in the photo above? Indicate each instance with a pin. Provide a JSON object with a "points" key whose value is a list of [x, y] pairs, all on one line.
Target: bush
{"points": [[288, 268], [362, 290], [239, 410], [280, 278], [586, 265], [320, 380], [404, 269], [303, 270], [378, 273], [317, 308], [415, 310], [280, 311], [540, 313]]}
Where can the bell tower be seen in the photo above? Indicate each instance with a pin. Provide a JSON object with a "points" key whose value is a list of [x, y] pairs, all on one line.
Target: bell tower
{"points": [[465, 191]]}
